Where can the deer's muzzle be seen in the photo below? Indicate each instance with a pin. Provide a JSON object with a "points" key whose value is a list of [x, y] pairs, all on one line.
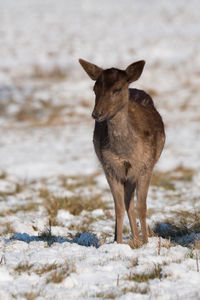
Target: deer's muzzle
{"points": [[99, 117]]}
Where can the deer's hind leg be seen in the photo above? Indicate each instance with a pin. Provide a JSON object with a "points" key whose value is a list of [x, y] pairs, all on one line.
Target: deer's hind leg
{"points": [[142, 190], [117, 190], [129, 190]]}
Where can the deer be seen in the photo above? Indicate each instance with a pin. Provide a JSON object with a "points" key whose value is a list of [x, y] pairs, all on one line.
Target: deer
{"points": [[128, 139]]}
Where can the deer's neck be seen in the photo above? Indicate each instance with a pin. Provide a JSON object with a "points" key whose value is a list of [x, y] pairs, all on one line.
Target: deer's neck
{"points": [[118, 129]]}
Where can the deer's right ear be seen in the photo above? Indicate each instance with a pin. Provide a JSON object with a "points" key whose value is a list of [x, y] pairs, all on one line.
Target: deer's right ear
{"points": [[92, 70], [135, 70]]}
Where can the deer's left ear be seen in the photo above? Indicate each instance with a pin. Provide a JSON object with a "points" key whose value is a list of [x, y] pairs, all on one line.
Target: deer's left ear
{"points": [[134, 71]]}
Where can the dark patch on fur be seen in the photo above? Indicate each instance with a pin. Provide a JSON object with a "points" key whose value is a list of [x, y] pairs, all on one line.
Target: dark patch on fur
{"points": [[127, 166], [110, 77], [140, 97]]}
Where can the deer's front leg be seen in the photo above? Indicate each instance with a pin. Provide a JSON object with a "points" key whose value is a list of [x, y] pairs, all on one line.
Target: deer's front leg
{"points": [[129, 189], [117, 190], [142, 190]]}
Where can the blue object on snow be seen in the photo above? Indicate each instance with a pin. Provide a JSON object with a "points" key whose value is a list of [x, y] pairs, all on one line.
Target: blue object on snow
{"points": [[84, 239], [87, 239]]}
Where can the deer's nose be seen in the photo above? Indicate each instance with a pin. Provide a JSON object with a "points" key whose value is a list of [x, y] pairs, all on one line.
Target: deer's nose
{"points": [[96, 115]]}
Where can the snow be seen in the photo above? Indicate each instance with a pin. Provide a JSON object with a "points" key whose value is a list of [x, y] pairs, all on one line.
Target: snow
{"points": [[47, 156]]}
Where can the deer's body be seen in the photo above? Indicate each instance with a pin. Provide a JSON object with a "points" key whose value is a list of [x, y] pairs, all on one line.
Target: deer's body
{"points": [[128, 139]]}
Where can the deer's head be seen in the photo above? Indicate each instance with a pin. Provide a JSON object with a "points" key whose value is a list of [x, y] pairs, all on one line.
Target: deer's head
{"points": [[111, 87]]}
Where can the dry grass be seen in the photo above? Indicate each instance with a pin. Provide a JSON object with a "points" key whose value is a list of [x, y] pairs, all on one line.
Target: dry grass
{"points": [[126, 229], [84, 226], [23, 267], [73, 182], [133, 262], [46, 235], [153, 93], [7, 228], [59, 274], [45, 115], [56, 273], [167, 244], [167, 180], [31, 295], [28, 113], [191, 254], [85, 103], [117, 292], [155, 273], [106, 295], [25, 208], [55, 73], [135, 244], [136, 290], [162, 180], [75, 204], [2, 175]]}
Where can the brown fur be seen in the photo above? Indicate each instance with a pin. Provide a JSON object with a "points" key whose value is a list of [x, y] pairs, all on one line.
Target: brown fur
{"points": [[128, 139]]}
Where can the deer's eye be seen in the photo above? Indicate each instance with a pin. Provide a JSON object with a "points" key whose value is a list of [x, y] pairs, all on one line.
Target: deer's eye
{"points": [[116, 91]]}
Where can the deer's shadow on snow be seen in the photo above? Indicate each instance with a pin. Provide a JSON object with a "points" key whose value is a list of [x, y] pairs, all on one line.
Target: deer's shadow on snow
{"points": [[86, 239]]}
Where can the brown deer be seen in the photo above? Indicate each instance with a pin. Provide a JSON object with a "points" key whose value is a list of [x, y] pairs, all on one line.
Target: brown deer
{"points": [[128, 139]]}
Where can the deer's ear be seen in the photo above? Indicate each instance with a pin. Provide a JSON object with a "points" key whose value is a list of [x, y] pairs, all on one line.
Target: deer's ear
{"points": [[134, 71], [92, 70]]}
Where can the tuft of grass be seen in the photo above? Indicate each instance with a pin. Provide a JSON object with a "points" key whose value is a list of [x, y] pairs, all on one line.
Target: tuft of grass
{"points": [[75, 204], [31, 295], [190, 254], [167, 244], [133, 262], [23, 267], [18, 189], [7, 228], [46, 269], [138, 290], [44, 193], [144, 277], [106, 295], [46, 235], [55, 73], [163, 181], [73, 182], [167, 180], [126, 230], [84, 226], [2, 175], [135, 244], [28, 207], [58, 275], [85, 103], [183, 174]]}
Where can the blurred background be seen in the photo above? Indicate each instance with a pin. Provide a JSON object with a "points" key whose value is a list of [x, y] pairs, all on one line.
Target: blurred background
{"points": [[49, 175]]}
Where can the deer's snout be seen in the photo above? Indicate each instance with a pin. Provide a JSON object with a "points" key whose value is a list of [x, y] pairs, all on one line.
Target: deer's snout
{"points": [[97, 116]]}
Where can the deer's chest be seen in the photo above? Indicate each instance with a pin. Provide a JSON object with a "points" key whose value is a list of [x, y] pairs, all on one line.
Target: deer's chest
{"points": [[115, 165]]}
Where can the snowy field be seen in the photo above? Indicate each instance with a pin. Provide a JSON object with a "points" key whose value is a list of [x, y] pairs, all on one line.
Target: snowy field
{"points": [[56, 211]]}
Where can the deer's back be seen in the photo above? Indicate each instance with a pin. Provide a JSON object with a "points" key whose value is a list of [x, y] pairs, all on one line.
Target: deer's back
{"points": [[140, 97], [146, 122], [143, 116]]}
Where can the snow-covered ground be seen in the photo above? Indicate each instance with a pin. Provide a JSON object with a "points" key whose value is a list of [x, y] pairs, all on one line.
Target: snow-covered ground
{"points": [[56, 211]]}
